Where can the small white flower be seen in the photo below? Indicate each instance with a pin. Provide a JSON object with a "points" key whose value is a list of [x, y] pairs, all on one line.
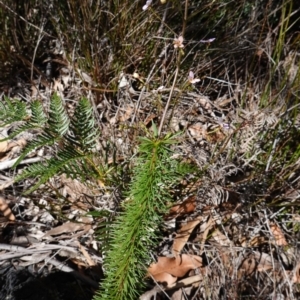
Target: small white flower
{"points": [[191, 78], [123, 82], [148, 3], [178, 43], [225, 126]]}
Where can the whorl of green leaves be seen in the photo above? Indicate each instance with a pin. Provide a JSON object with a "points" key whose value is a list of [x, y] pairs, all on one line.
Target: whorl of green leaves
{"points": [[134, 233], [75, 139]]}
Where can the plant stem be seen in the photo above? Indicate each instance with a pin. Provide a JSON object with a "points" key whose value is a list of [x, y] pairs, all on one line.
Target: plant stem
{"points": [[176, 72], [134, 233]]}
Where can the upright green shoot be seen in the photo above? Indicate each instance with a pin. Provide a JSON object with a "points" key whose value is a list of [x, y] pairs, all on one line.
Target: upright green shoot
{"points": [[135, 230]]}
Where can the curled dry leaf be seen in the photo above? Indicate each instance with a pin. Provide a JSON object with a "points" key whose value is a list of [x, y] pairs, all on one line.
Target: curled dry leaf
{"points": [[166, 278], [6, 211], [167, 269], [19, 144], [278, 235]]}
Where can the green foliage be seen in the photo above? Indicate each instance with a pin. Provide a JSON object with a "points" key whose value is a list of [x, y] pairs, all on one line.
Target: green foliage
{"points": [[135, 231], [83, 127], [15, 111], [76, 139], [12, 111], [101, 40], [58, 122], [55, 127]]}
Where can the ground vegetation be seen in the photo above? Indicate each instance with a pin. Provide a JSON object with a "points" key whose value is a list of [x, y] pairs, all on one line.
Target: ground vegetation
{"points": [[152, 146]]}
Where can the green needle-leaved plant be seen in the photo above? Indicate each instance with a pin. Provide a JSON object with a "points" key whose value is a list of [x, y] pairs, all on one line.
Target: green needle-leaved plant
{"points": [[72, 140], [134, 234]]}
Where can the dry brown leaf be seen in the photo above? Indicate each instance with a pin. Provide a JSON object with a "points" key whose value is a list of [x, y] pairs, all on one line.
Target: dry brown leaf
{"points": [[265, 262], [216, 135], [149, 295], [127, 114], [278, 235], [208, 224], [296, 274], [258, 261], [290, 66], [254, 242], [183, 235], [149, 119], [112, 160], [192, 280], [34, 91], [65, 228], [186, 207], [66, 79], [6, 184], [204, 102], [247, 268], [167, 269], [13, 146], [224, 250], [34, 258], [223, 101], [89, 260], [20, 143], [6, 211], [167, 278], [177, 295], [3, 146], [187, 283], [58, 86], [75, 189], [221, 239], [198, 131]]}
